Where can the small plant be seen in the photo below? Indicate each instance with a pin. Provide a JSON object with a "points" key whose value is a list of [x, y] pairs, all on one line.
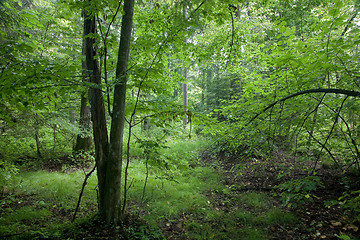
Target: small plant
{"points": [[7, 173], [350, 201], [343, 237], [295, 193], [143, 232]]}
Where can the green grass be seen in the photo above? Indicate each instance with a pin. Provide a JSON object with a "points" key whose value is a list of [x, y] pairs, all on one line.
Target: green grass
{"points": [[255, 200], [166, 198], [55, 187], [41, 202], [276, 216], [251, 215], [21, 219], [44, 199], [225, 225]]}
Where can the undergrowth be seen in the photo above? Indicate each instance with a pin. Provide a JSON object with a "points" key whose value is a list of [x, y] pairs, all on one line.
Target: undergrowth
{"points": [[40, 204]]}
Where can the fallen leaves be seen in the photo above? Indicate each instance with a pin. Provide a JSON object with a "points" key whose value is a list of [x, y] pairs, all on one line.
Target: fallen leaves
{"points": [[335, 223]]}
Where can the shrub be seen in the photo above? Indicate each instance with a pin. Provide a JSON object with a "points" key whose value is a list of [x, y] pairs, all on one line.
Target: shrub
{"points": [[296, 192]]}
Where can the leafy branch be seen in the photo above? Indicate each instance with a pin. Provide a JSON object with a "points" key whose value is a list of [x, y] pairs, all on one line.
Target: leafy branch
{"points": [[318, 90]]}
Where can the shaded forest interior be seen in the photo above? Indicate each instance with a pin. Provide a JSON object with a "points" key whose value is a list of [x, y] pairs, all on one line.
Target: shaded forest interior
{"points": [[179, 119]]}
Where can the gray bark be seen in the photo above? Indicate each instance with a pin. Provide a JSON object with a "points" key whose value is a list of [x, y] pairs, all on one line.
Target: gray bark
{"points": [[114, 167]]}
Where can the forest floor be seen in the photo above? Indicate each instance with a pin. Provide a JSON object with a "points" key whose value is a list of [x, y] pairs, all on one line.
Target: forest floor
{"points": [[316, 218], [243, 206]]}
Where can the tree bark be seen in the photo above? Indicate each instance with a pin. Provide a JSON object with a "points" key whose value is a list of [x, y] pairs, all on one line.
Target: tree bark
{"points": [[109, 155], [97, 108], [114, 166], [37, 138], [84, 143]]}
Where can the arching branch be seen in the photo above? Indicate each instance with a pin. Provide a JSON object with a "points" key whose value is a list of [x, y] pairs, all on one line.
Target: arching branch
{"points": [[318, 90]]}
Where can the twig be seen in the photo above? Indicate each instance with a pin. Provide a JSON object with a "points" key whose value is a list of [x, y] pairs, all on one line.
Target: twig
{"points": [[332, 129], [82, 191], [324, 147], [137, 102], [147, 176], [308, 115], [104, 38], [353, 142], [348, 24]]}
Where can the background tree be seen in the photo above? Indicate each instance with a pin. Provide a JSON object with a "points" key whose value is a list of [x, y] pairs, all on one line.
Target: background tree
{"points": [[38, 98]]}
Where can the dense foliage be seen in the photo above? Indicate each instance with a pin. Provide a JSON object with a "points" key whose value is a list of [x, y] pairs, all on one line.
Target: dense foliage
{"points": [[259, 77]]}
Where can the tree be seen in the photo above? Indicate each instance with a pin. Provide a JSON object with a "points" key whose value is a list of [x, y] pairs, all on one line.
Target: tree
{"points": [[109, 153], [305, 46], [32, 50], [83, 140], [185, 85]]}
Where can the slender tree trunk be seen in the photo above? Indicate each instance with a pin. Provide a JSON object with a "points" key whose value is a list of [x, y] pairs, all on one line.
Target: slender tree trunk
{"points": [[84, 142], [203, 87], [114, 166], [147, 125], [54, 137], [37, 139], [109, 155], [185, 99], [185, 86]]}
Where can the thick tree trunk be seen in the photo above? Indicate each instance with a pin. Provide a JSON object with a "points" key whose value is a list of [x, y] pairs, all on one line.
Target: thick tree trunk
{"points": [[114, 166], [97, 110]]}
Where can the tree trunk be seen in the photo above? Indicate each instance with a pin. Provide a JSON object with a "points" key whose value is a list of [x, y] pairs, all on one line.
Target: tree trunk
{"points": [[114, 166], [109, 155], [147, 124], [84, 141], [37, 139], [97, 109], [185, 86], [185, 99]]}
